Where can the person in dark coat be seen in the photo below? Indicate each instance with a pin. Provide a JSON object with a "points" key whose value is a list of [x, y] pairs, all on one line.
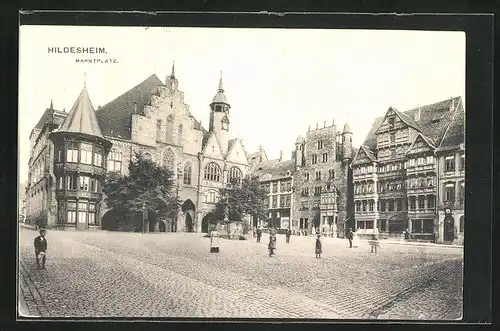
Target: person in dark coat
{"points": [[272, 244], [350, 236], [288, 233], [259, 234], [40, 249], [318, 248]]}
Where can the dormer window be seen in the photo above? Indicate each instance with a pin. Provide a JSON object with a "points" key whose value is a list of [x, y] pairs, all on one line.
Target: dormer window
{"points": [[417, 115], [391, 123]]}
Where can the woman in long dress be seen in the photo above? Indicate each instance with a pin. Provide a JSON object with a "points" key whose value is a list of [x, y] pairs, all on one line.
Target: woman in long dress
{"points": [[318, 247], [272, 244]]}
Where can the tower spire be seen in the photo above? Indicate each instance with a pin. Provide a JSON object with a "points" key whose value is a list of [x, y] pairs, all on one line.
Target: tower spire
{"points": [[221, 86], [85, 80], [173, 69], [51, 104]]}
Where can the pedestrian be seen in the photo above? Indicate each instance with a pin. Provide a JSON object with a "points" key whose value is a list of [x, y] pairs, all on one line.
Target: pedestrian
{"points": [[407, 234], [350, 236], [288, 233], [318, 249], [41, 249], [374, 244], [272, 244], [214, 241], [259, 234]]}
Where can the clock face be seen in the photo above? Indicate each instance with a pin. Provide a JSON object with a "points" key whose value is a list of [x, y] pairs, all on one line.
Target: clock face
{"points": [[447, 210]]}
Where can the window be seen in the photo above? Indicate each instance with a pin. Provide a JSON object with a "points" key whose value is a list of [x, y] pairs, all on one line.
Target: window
{"points": [[275, 201], [305, 191], [115, 161], [287, 201], [449, 192], [187, 174], [282, 201], [391, 205], [462, 162], [72, 152], [98, 156], [382, 205], [212, 172], [331, 174], [288, 186], [84, 183], [275, 187], [393, 152], [461, 224], [430, 181], [449, 162], [306, 176], [317, 190], [370, 205], [71, 212], [82, 212], [86, 153], [320, 144], [92, 213], [399, 204], [364, 203], [318, 175], [423, 182], [421, 202], [60, 155], [431, 201], [430, 159], [93, 184], [391, 122], [393, 138], [60, 183], [427, 226], [235, 175], [314, 159], [413, 203], [211, 197], [71, 182], [461, 193], [325, 157]]}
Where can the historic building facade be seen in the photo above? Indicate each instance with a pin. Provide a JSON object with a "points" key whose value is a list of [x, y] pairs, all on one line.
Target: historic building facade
{"points": [[152, 118], [276, 176], [409, 173], [322, 193]]}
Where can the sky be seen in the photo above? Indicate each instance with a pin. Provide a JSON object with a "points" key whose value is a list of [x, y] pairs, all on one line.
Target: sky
{"points": [[278, 81]]}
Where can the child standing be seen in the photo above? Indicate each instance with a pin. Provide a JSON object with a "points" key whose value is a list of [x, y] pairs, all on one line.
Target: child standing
{"points": [[318, 249], [374, 244], [40, 249]]}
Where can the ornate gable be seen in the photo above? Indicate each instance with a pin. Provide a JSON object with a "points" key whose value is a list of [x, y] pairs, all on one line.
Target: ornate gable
{"points": [[212, 148], [236, 153], [363, 156], [421, 144]]}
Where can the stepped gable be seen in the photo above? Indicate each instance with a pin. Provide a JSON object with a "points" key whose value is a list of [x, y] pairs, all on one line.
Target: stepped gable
{"points": [[115, 117], [82, 118]]}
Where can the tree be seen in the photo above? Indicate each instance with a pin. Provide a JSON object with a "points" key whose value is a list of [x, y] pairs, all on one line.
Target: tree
{"points": [[245, 197], [147, 187]]}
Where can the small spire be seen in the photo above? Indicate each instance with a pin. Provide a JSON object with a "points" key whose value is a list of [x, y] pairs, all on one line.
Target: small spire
{"points": [[221, 86], [173, 69], [85, 80], [51, 104]]}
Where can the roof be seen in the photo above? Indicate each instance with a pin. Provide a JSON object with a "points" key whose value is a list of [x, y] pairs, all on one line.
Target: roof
{"points": [[220, 97], [276, 169], [115, 117], [454, 136], [82, 118], [47, 116], [347, 128], [231, 143], [433, 121]]}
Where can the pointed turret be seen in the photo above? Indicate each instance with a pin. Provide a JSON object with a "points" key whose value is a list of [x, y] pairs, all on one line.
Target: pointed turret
{"points": [[51, 104], [220, 97], [172, 82], [82, 118], [173, 70]]}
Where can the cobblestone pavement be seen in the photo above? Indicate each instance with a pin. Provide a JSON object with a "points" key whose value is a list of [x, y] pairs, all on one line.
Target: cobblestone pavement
{"points": [[92, 274]]}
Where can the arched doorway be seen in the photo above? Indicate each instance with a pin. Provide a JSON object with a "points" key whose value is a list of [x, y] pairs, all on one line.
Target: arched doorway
{"points": [[161, 226], [188, 209], [449, 228], [189, 223], [207, 220]]}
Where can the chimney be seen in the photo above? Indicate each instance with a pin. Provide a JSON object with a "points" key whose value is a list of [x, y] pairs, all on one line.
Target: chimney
{"points": [[281, 155], [324, 124], [64, 109]]}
